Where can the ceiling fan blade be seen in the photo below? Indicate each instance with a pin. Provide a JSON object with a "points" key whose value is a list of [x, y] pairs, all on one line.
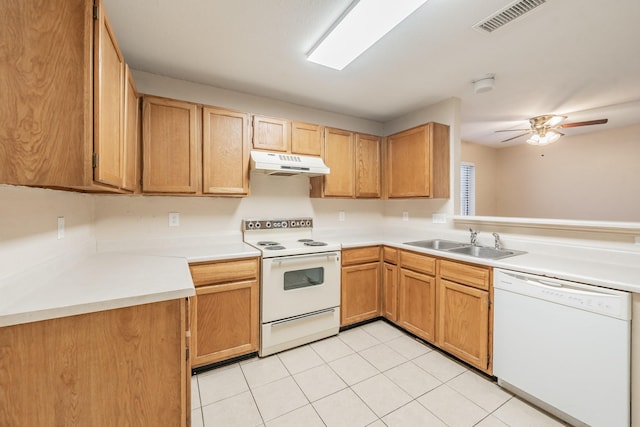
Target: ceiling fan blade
{"points": [[513, 130], [587, 123], [517, 136]]}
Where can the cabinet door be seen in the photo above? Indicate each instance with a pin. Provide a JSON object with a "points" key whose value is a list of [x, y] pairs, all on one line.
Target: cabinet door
{"points": [[367, 166], [108, 104], [338, 155], [306, 138], [225, 152], [224, 321], [417, 303], [170, 146], [271, 134], [408, 165], [463, 328], [390, 291], [360, 293], [131, 133]]}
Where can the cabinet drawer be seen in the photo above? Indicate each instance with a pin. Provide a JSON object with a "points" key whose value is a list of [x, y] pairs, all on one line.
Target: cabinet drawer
{"points": [[418, 262], [390, 255], [470, 275], [224, 271], [360, 255]]}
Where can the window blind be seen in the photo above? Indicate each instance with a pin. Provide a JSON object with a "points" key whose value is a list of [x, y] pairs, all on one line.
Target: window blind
{"points": [[467, 189]]}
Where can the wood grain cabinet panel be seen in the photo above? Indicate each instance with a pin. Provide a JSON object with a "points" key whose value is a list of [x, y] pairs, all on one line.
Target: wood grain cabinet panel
{"points": [[339, 157], [108, 137], [306, 139], [360, 255], [417, 162], [417, 304], [131, 133], [225, 152], [62, 84], [225, 313], [360, 294], [271, 134], [368, 166], [170, 146], [463, 313], [118, 367], [390, 291]]}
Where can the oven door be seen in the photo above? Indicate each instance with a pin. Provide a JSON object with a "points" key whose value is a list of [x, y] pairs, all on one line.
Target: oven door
{"points": [[299, 284]]}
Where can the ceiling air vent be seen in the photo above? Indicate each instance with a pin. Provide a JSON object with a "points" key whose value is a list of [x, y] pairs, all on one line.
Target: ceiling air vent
{"points": [[507, 14]]}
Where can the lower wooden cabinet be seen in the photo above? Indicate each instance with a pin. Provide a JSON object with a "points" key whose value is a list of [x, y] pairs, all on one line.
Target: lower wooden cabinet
{"points": [[118, 367], [417, 303], [360, 294], [390, 291], [464, 317], [225, 311]]}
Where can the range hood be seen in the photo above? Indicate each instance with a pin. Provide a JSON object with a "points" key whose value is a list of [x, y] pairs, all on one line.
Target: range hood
{"points": [[287, 164]]}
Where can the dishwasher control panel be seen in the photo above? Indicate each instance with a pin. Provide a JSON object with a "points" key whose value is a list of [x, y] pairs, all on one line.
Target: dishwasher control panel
{"points": [[608, 302]]}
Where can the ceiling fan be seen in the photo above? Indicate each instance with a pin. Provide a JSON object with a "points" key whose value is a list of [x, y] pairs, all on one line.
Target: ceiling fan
{"points": [[544, 129]]}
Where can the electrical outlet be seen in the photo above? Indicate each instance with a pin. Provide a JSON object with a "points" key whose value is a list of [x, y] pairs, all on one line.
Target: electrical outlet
{"points": [[439, 218], [341, 216], [405, 216], [174, 219], [60, 227], [637, 240]]}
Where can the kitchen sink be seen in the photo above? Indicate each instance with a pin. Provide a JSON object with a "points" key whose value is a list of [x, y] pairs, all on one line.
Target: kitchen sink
{"points": [[451, 246], [439, 244], [485, 252]]}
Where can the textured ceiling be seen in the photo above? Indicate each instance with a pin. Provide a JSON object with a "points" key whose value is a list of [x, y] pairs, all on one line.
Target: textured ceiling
{"points": [[575, 57]]}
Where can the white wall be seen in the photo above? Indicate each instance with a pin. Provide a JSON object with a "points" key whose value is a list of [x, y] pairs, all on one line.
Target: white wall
{"points": [[28, 226], [588, 177], [153, 84]]}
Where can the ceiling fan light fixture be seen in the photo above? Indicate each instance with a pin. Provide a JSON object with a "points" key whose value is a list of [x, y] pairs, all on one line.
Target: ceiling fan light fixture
{"points": [[360, 27], [549, 137], [554, 120]]}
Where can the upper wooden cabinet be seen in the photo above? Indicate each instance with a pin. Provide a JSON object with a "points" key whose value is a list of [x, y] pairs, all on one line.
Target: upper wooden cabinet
{"points": [[417, 162], [131, 133], [354, 160], [225, 152], [306, 139], [193, 149], [271, 134], [368, 166], [170, 146], [56, 113]]}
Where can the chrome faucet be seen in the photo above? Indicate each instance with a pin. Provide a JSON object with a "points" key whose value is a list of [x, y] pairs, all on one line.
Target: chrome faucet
{"points": [[474, 237], [498, 243]]}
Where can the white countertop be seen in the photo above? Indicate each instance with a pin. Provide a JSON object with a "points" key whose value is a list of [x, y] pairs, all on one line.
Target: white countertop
{"points": [[622, 276], [123, 274]]}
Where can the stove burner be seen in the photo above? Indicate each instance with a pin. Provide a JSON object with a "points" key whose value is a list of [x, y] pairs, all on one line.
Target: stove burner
{"points": [[313, 243], [267, 243], [274, 247], [305, 240]]}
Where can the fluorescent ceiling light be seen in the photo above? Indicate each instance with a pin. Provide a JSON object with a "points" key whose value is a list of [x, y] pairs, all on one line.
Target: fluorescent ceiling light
{"points": [[363, 24]]}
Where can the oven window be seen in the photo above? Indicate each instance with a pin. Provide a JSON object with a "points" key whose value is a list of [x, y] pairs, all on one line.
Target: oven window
{"points": [[303, 278]]}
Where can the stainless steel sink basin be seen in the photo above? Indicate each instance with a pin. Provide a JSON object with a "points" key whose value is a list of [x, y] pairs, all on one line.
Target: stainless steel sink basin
{"points": [[485, 252], [438, 244]]}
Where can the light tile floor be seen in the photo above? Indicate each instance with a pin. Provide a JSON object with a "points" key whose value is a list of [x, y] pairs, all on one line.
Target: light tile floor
{"points": [[373, 375]]}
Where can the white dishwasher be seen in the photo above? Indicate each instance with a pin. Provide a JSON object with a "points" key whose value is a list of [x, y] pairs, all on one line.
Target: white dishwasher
{"points": [[565, 346]]}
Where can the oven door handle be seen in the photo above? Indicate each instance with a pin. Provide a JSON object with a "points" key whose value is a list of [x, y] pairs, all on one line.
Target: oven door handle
{"points": [[294, 258], [302, 317]]}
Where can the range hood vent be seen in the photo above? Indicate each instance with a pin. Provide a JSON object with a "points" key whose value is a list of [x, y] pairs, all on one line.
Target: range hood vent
{"points": [[507, 14], [287, 164]]}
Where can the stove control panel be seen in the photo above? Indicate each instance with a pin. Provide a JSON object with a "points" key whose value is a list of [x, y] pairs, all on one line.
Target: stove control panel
{"points": [[262, 224]]}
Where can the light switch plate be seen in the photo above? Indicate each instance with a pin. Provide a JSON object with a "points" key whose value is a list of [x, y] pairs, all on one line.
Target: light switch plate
{"points": [[174, 219], [405, 216], [637, 240], [341, 216]]}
